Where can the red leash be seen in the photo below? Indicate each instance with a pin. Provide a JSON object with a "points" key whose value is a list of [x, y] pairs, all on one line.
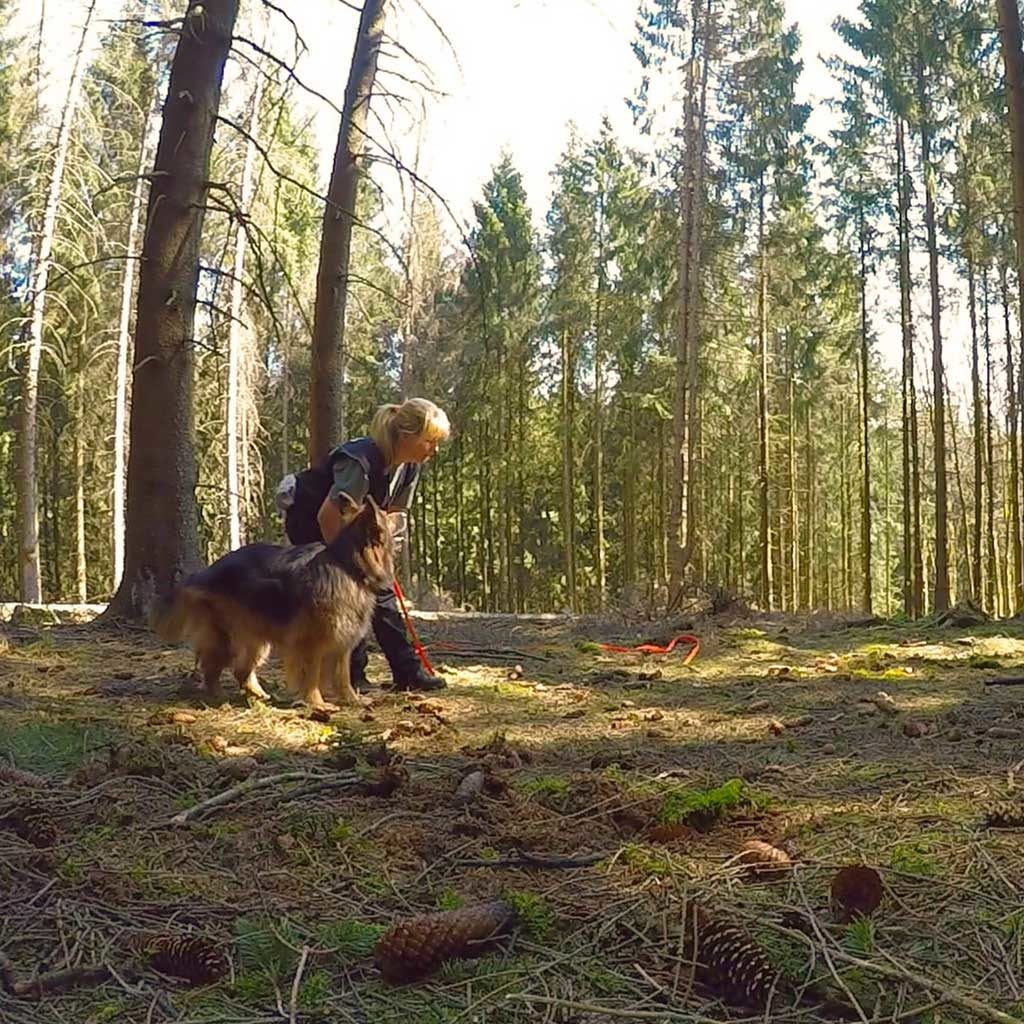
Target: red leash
{"points": [[421, 652], [655, 649]]}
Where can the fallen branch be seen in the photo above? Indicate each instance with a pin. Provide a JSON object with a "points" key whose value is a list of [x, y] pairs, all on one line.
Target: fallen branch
{"points": [[235, 792], [525, 859], [610, 1011], [1006, 681], [896, 973], [52, 982]]}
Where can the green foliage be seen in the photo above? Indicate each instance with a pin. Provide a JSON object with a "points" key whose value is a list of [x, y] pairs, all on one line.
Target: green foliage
{"points": [[49, 747], [547, 785], [533, 911], [914, 858], [689, 806], [350, 939], [267, 946], [859, 936]]}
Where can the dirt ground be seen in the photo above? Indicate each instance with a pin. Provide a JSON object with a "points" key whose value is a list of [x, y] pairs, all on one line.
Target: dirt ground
{"points": [[618, 789]]}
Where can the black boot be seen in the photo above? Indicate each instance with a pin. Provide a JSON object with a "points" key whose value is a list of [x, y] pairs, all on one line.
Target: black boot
{"points": [[357, 667], [418, 679], [389, 628]]}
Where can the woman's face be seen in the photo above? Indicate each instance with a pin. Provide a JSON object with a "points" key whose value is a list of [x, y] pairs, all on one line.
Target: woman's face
{"points": [[417, 448]]}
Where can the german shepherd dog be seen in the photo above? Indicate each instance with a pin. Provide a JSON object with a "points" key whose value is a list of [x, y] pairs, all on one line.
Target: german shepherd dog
{"points": [[313, 602]]}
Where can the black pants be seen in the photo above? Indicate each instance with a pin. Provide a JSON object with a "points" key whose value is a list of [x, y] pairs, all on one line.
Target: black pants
{"points": [[388, 626], [389, 629]]}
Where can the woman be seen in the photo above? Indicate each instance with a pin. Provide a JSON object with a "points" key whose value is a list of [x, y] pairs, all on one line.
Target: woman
{"points": [[386, 466]]}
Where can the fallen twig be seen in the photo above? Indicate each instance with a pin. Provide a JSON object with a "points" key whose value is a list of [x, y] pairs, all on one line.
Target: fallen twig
{"points": [[897, 973], [609, 1011], [1006, 681], [234, 793], [525, 859], [52, 982]]}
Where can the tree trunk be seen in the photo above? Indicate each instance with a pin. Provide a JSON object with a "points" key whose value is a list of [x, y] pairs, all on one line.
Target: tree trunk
{"points": [[28, 412], [914, 555], [328, 362], [993, 576], [236, 328], [794, 522], [1013, 65], [1016, 593], [78, 426], [162, 542], [767, 586], [941, 593], [865, 425], [568, 458], [977, 435], [121, 386], [600, 545]]}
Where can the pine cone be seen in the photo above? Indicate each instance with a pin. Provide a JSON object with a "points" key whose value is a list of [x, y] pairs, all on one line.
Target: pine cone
{"points": [[193, 958], [764, 861], [729, 962], [416, 946], [1005, 814], [17, 777], [33, 823], [856, 892]]}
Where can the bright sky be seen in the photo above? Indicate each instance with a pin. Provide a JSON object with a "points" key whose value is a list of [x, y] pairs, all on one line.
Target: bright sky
{"points": [[521, 71]]}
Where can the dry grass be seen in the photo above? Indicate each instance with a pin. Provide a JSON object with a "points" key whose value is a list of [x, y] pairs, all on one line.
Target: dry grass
{"points": [[296, 878]]}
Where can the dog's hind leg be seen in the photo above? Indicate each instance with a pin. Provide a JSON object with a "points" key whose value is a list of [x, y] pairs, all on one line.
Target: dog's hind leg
{"points": [[244, 663], [213, 656]]}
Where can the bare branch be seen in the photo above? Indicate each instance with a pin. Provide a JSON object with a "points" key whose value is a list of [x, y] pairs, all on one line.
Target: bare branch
{"points": [[311, 191], [286, 68]]}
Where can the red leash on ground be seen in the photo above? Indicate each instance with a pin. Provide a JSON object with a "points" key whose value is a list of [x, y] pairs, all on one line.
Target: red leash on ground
{"points": [[421, 652], [686, 638]]}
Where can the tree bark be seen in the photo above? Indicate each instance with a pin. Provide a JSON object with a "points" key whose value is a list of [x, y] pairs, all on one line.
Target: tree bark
{"points": [[767, 586], [977, 435], [328, 362], [28, 412], [236, 328], [865, 508], [941, 592], [121, 386], [1016, 591], [162, 535]]}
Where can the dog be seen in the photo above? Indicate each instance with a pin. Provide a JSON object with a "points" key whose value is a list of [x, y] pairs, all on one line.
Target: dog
{"points": [[313, 602]]}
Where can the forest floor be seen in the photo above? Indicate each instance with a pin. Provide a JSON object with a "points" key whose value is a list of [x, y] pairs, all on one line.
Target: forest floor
{"points": [[650, 772]]}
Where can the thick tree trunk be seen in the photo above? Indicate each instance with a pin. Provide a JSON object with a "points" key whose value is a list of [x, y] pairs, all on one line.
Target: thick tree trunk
{"points": [[568, 463], [941, 593], [977, 587], [328, 362], [27, 485], [1016, 592], [78, 425], [865, 426], [162, 542], [1013, 66], [764, 536], [122, 386]]}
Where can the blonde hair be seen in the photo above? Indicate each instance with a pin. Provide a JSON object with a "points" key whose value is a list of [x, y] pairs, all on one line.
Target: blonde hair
{"points": [[414, 416]]}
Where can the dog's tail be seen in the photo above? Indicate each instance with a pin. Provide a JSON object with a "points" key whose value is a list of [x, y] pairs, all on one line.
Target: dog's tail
{"points": [[168, 616]]}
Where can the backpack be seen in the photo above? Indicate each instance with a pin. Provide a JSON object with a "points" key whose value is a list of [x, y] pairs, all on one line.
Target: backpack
{"points": [[310, 488]]}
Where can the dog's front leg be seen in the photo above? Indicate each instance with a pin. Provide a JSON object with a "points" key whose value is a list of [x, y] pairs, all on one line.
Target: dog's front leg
{"points": [[343, 674], [302, 675]]}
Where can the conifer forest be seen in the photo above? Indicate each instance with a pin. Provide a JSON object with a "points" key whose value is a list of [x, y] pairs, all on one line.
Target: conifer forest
{"points": [[717, 583]]}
